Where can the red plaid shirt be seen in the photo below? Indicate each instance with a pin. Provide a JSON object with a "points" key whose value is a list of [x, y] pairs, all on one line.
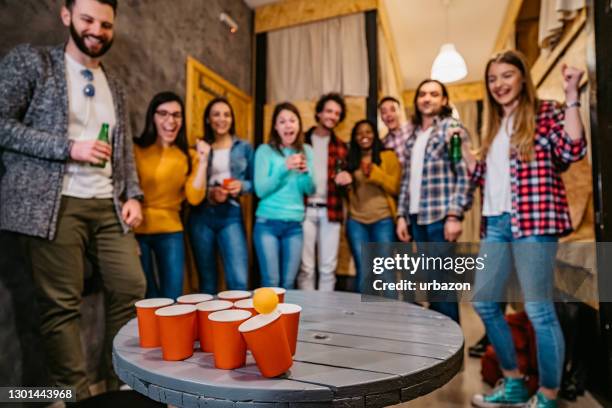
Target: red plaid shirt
{"points": [[337, 153], [539, 202]]}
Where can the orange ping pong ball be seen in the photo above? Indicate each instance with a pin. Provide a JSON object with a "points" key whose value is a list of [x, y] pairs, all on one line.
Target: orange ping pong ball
{"points": [[265, 300]]}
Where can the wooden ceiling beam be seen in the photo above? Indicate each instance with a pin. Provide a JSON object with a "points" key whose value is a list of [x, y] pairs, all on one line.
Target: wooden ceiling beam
{"points": [[508, 25], [289, 13]]}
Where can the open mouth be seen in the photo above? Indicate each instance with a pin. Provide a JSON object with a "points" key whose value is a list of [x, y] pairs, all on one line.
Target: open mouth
{"points": [[92, 41], [502, 93]]}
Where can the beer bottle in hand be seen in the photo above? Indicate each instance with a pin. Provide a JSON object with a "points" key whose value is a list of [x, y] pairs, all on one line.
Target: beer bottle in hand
{"points": [[455, 146], [103, 137]]}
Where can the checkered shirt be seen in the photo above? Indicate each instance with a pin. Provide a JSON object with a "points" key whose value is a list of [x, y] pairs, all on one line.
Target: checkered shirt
{"points": [[444, 188], [396, 140], [539, 201], [337, 153]]}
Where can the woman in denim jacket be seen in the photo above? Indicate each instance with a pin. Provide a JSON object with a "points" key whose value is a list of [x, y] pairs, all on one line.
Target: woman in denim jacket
{"points": [[217, 222]]}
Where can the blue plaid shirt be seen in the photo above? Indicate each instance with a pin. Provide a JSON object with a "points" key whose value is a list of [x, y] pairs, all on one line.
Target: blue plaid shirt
{"points": [[396, 140], [444, 190]]}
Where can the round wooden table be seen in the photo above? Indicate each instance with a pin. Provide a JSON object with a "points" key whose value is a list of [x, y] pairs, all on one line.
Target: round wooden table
{"points": [[350, 353]]}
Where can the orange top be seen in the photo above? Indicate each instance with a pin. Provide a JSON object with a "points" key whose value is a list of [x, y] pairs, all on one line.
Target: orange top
{"points": [[164, 181]]}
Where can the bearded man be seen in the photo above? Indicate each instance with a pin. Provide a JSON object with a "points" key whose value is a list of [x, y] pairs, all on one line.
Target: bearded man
{"points": [[67, 195]]}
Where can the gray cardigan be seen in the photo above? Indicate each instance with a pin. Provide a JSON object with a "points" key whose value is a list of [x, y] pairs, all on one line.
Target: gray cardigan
{"points": [[34, 141]]}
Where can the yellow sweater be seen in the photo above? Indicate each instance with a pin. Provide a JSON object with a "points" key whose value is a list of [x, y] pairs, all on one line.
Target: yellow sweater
{"points": [[165, 183], [388, 177]]}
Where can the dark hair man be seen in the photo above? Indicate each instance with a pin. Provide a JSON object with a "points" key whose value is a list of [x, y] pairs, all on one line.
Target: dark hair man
{"points": [[324, 209], [434, 192], [69, 194]]}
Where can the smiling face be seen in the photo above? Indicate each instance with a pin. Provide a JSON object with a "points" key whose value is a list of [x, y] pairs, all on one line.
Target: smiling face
{"points": [[390, 114], [364, 136], [168, 122], [430, 99], [287, 125], [329, 117], [220, 118], [91, 25], [505, 83]]}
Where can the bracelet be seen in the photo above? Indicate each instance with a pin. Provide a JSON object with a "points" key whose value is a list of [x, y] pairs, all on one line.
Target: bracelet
{"points": [[575, 104]]}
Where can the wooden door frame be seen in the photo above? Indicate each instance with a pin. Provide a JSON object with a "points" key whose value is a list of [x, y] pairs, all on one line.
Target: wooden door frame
{"points": [[193, 66]]}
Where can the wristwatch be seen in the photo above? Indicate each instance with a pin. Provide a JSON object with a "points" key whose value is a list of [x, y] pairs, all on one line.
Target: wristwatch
{"points": [[455, 216]]}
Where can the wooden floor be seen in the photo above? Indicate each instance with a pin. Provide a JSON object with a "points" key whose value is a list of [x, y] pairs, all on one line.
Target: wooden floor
{"points": [[458, 392]]}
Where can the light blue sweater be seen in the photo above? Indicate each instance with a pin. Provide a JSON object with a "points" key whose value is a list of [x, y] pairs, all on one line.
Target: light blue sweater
{"points": [[281, 191]]}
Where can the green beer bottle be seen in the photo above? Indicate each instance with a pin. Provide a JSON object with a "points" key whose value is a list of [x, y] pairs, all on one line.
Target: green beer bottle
{"points": [[455, 146], [103, 137]]}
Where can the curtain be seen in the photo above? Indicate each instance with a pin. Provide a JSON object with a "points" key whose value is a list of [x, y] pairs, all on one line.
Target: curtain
{"points": [[553, 15], [307, 61]]}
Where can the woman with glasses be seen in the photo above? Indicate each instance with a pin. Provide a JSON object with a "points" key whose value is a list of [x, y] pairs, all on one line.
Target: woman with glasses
{"points": [[217, 222], [169, 173]]}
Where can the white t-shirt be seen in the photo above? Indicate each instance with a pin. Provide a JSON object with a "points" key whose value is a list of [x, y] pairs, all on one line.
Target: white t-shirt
{"points": [[220, 167], [86, 116], [497, 191], [320, 147], [417, 158]]}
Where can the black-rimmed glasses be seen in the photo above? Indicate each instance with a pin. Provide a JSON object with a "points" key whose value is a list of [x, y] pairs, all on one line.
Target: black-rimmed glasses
{"points": [[165, 114]]}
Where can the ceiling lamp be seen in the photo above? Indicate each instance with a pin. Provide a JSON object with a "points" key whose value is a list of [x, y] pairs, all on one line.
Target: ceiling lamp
{"points": [[449, 65]]}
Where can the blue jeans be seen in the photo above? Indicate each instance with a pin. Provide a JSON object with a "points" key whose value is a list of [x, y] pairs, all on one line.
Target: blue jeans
{"points": [[169, 251], [359, 233], [534, 266], [279, 251], [434, 232], [219, 226]]}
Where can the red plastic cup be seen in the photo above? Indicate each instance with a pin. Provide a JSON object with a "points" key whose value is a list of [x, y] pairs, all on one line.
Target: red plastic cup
{"points": [[365, 169], [229, 346], [234, 295], [290, 315], [148, 327], [176, 331], [266, 337], [227, 182], [280, 292], [194, 299], [205, 328], [246, 304]]}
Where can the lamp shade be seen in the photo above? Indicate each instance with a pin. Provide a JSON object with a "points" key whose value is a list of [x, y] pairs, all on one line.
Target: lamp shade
{"points": [[449, 65]]}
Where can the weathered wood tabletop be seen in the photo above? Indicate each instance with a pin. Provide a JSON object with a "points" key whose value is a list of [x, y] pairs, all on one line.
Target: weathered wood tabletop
{"points": [[350, 353]]}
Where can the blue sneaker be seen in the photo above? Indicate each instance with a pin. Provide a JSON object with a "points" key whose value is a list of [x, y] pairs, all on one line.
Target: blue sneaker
{"points": [[508, 393], [540, 401]]}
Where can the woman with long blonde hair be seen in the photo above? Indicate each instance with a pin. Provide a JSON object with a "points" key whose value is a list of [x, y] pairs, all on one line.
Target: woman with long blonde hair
{"points": [[527, 143]]}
